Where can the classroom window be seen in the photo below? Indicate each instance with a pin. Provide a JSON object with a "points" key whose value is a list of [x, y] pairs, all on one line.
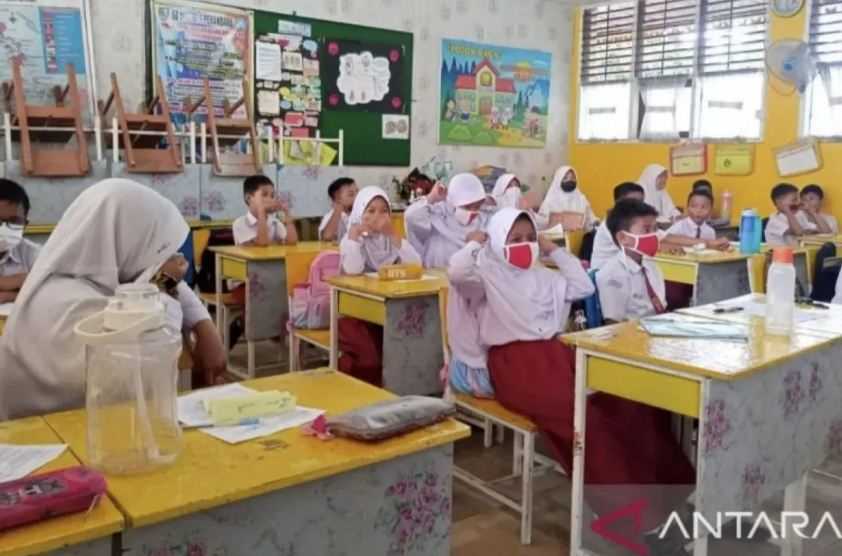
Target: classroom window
{"points": [[823, 98], [695, 69]]}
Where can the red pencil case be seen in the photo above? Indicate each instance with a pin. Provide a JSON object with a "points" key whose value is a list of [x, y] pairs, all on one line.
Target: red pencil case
{"points": [[40, 497]]}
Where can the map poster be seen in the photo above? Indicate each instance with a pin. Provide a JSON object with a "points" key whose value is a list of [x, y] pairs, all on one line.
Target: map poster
{"points": [[194, 41], [45, 39], [493, 96]]}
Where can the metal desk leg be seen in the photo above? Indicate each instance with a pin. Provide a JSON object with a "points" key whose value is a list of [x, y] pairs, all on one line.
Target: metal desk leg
{"points": [[579, 414], [334, 328]]}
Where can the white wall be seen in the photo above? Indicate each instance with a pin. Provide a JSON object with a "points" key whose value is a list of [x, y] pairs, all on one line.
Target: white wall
{"points": [[120, 46]]}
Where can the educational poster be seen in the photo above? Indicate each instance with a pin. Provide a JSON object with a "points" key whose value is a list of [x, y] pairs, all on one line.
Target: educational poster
{"points": [[493, 96], [192, 42], [45, 39], [288, 87], [363, 76]]}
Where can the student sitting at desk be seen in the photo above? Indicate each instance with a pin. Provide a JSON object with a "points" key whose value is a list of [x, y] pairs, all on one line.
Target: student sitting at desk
{"points": [[630, 286], [115, 232], [17, 255], [812, 198], [260, 226], [334, 224], [563, 196], [370, 243], [604, 248], [784, 227], [694, 229], [715, 221], [654, 183]]}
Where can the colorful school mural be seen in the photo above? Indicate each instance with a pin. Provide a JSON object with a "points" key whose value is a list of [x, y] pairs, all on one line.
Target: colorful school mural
{"points": [[493, 96]]}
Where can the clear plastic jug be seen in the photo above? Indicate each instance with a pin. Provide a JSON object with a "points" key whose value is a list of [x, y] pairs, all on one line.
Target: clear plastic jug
{"points": [[131, 356]]}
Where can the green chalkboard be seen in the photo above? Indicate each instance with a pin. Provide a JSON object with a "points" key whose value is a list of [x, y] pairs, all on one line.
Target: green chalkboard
{"points": [[364, 143]]}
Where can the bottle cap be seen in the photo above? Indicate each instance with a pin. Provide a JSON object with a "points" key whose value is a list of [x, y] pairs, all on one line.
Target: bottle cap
{"points": [[782, 255]]}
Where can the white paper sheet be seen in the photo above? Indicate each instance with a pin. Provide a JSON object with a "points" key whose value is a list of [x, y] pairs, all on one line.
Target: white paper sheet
{"points": [[267, 426], [268, 61], [6, 309], [423, 277], [18, 461], [191, 408]]}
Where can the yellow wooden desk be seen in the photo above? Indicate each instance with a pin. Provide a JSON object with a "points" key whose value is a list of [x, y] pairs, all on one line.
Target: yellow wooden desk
{"points": [[408, 311], [714, 276], [767, 408], [263, 270], [82, 534], [820, 239], [804, 259], [288, 492]]}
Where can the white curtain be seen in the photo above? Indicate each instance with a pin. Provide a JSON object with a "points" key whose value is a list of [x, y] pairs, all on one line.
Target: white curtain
{"points": [[730, 106], [604, 111], [666, 109], [824, 103]]}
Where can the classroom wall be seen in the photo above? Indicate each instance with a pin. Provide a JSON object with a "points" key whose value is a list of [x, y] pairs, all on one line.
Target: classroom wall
{"points": [[603, 165], [120, 35]]}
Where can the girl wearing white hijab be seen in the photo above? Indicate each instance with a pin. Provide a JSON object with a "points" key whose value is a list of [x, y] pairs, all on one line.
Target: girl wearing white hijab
{"points": [[115, 232], [654, 183], [525, 307], [369, 244], [506, 192], [564, 196], [371, 241]]}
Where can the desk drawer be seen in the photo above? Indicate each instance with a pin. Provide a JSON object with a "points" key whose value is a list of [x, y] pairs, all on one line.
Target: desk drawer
{"points": [[674, 271], [234, 269], [363, 308], [673, 393]]}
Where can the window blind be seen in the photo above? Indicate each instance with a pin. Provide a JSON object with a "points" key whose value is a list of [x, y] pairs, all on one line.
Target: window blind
{"points": [[666, 38], [826, 31], [607, 43], [733, 36]]}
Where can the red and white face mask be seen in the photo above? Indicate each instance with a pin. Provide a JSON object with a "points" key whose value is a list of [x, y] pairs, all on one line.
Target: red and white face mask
{"points": [[522, 255], [646, 244]]}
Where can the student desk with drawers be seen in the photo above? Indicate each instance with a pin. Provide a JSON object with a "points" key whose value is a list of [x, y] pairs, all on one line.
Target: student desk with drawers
{"points": [[290, 493], [409, 312], [767, 409]]}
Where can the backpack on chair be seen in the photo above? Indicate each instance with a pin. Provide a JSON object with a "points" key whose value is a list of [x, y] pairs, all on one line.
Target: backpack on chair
{"points": [[309, 303]]}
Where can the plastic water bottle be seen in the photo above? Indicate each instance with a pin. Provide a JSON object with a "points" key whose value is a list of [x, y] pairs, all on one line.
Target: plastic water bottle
{"points": [[758, 233], [780, 293], [748, 222], [725, 212]]}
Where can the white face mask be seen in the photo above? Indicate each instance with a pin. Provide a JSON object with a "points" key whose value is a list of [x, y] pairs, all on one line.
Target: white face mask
{"points": [[10, 237], [511, 197], [466, 217]]}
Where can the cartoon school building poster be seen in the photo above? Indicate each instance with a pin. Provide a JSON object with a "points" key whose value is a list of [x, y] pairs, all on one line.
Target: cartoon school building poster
{"points": [[493, 96]]}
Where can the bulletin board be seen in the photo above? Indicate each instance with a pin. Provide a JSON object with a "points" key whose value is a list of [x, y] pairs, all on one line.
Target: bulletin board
{"points": [[367, 143]]}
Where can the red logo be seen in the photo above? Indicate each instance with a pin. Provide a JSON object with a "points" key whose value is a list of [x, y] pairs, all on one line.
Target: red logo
{"points": [[633, 511]]}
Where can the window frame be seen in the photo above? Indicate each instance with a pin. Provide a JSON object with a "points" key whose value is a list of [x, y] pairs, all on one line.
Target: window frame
{"points": [[804, 104], [696, 88]]}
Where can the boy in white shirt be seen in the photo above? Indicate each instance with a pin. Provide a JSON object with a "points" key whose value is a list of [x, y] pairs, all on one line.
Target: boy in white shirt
{"points": [[631, 286], [604, 248], [812, 197], [334, 224], [17, 255], [694, 229], [784, 227], [259, 226]]}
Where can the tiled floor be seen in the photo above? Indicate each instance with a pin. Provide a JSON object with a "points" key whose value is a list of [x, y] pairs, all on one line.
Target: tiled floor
{"points": [[482, 527]]}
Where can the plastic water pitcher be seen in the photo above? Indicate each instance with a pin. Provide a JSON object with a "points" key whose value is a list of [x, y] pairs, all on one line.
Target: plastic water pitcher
{"points": [[780, 293], [758, 233], [131, 358], [748, 223]]}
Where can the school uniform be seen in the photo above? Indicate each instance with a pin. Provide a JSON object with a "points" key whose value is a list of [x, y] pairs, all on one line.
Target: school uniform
{"points": [[557, 200], [341, 229], [808, 224], [360, 342], [658, 198], [605, 249], [779, 233], [20, 259], [686, 227], [245, 229], [628, 290], [533, 373]]}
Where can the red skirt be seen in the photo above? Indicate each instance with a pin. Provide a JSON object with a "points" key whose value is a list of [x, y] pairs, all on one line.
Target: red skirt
{"points": [[361, 344], [626, 443], [679, 295]]}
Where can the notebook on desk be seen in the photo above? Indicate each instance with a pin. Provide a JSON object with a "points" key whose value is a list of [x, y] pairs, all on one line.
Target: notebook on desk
{"points": [[672, 326]]}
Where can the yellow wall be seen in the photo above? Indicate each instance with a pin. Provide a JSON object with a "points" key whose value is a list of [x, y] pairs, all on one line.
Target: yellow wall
{"points": [[601, 166]]}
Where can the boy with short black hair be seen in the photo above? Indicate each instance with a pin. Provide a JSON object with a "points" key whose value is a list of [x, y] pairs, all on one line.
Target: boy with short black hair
{"points": [[693, 229], [334, 224], [812, 197], [784, 226], [260, 226], [17, 255], [604, 248], [630, 285]]}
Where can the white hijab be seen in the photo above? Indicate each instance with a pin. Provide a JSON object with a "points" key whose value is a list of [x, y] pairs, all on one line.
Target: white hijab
{"points": [[523, 305], [657, 198], [558, 200], [501, 195], [111, 234], [378, 249], [464, 189]]}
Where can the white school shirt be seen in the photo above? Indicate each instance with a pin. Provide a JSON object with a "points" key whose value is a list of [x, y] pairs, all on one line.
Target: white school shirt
{"points": [[245, 229], [686, 227], [778, 232], [341, 230], [465, 300], [807, 224], [20, 259], [622, 288], [837, 296], [604, 247], [354, 260]]}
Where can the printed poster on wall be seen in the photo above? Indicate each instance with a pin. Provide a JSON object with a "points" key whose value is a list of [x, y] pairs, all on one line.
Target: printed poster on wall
{"points": [[193, 41], [45, 38], [361, 76], [493, 96]]}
